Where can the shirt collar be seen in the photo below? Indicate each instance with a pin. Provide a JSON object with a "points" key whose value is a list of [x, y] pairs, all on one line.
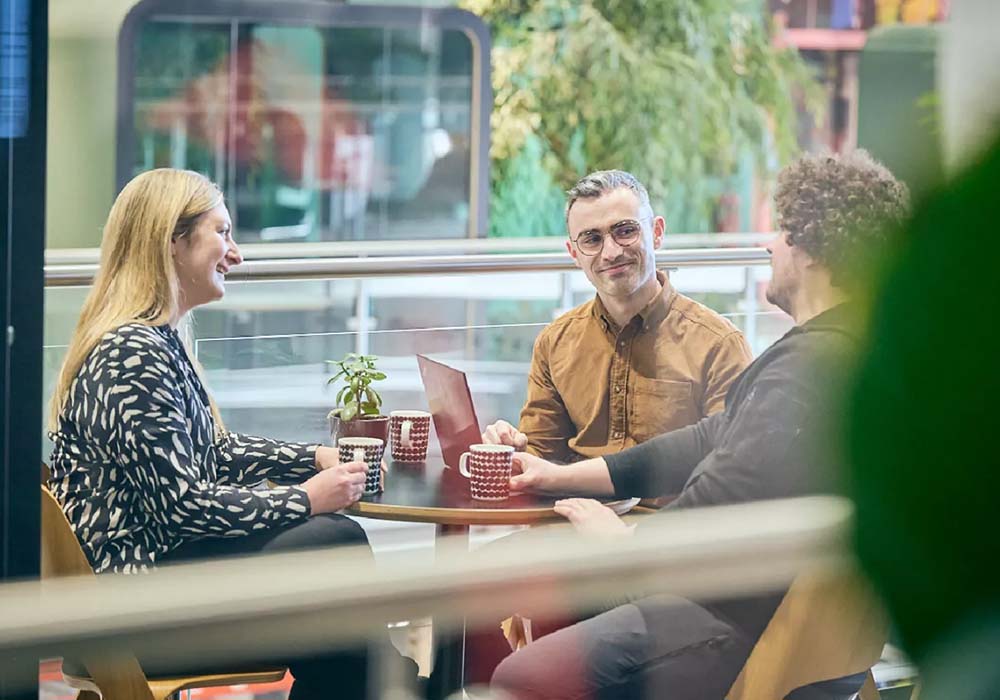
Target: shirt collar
{"points": [[842, 316], [651, 314]]}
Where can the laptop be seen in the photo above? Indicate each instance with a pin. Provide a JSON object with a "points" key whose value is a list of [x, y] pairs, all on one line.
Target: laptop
{"points": [[450, 401]]}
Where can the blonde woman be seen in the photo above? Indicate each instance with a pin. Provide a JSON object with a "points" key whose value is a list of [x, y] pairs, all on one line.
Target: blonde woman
{"points": [[142, 465]]}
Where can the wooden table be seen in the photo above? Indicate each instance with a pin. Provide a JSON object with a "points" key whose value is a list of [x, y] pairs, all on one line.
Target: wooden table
{"points": [[430, 492]]}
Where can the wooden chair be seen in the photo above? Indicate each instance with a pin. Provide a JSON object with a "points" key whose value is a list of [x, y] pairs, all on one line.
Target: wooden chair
{"points": [[827, 627], [119, 677]]}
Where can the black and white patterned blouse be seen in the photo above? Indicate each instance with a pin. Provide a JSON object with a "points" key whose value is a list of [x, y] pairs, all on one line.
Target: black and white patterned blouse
{"points": [[137, 467]]}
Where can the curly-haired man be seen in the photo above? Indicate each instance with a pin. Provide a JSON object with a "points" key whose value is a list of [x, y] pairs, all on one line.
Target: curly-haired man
{"points": [[769, 442], [833, 210]]}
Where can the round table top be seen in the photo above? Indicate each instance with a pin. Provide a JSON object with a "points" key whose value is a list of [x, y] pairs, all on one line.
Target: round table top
{"points": [[430, 492]]}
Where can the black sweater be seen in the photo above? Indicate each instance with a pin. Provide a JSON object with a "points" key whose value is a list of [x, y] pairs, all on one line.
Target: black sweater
{"points": [[772, 440], [777, 438]]}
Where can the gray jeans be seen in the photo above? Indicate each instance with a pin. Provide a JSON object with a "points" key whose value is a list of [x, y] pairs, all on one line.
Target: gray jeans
{"points": [[660, 647]]}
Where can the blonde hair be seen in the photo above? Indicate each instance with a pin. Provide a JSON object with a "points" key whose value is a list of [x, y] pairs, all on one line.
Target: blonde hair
{"points": [[137, 282]]}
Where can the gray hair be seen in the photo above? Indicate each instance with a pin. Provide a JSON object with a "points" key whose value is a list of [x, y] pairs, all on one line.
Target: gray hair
{"points": [[600, 182]]}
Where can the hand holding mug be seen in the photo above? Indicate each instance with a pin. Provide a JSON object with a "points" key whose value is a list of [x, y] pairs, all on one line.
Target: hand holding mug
{"points": [[532, 473], [336, 487], [326, 457], [369, 451]]}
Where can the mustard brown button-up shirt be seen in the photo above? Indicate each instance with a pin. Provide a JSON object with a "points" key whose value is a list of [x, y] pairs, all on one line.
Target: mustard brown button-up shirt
{"points": [[595, 389]]}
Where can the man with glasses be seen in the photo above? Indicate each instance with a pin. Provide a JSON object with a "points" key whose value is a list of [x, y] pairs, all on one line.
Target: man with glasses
{"points": [[636, 361]]}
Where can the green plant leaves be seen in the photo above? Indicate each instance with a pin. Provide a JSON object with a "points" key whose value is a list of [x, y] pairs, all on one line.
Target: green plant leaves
{"points": [[356, 396], [349, 412], [675, 91], [345, 396]]}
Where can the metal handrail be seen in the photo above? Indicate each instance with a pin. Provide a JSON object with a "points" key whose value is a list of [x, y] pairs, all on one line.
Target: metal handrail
{"points": [[396, 266], [432, 246], [268, 604]]}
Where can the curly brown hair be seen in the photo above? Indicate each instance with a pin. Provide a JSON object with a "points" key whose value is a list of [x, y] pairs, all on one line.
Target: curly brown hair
{"points": [[840, 209]]}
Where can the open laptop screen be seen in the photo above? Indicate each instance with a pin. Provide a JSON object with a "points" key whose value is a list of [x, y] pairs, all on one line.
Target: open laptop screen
{"points": [[450, 401]]}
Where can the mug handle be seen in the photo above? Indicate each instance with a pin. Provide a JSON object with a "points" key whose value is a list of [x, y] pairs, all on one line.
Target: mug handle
{"points": [[404, 431], [359, 454], [462, 465]]}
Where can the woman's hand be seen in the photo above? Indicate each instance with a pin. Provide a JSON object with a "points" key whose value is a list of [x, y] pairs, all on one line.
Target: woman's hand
{"points": [[590, 517], [326, 457], [336, 487]]}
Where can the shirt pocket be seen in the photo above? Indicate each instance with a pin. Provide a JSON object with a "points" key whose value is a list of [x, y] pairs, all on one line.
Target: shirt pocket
{"points": [[658, 406]]}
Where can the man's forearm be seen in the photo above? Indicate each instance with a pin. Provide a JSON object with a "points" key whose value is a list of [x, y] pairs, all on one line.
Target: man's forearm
{"points": [[662, 465], [589, 477]]}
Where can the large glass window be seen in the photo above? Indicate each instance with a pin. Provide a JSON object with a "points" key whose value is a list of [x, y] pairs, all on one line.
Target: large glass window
{"points": [[365, 123]]}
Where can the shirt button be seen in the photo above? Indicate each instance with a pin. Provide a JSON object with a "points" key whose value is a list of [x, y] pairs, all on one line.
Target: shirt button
{"points": [[617, 435], [618, 388]]}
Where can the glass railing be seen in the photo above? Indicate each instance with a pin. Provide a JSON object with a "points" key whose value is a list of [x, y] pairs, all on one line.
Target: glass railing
{"points": [[266, 343], [277, 385]]}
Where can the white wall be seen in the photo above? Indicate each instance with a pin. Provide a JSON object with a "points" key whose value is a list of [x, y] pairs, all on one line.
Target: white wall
{"points": [[970, 78]]}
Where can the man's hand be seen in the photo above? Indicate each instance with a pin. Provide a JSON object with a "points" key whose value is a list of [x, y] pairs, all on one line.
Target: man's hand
{"points": [[503, 433], [590, 517], [326, 457], [533, 473], [336, 487]]}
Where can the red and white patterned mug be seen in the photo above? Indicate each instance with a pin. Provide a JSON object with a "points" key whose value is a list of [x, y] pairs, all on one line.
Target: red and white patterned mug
{"points": [[411, 432], [488, 469], [368, 450]]}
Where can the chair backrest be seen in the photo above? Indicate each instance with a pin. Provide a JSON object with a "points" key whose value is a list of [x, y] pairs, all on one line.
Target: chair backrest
{"points": [[61, 551], [827, 626], [120, 677]]}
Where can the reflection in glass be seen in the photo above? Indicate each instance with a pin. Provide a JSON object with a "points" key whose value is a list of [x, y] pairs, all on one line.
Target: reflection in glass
{"points": [[314, 133]]}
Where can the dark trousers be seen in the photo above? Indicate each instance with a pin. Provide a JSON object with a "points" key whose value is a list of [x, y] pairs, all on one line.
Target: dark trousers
{"points": [[655, 647], [661, 646], [644, 646], [337, 674]]}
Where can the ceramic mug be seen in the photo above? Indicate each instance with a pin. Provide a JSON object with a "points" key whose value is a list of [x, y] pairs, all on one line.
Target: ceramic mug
{"points": [[368, 450], [488, 469], [410, 431]]}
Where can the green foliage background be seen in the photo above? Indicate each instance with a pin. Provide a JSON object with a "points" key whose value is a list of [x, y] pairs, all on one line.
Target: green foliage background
{"points": [[675, 91]]}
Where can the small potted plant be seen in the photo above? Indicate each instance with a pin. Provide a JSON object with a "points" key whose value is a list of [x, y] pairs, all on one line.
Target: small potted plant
{"points": [[358, 405]]}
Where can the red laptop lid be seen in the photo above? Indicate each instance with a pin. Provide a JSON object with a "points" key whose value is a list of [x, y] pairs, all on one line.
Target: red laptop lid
{"points": [[450, 402]]}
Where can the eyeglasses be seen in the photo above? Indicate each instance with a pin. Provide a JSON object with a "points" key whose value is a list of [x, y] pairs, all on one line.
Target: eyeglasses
{"points": [[625, 234]]}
